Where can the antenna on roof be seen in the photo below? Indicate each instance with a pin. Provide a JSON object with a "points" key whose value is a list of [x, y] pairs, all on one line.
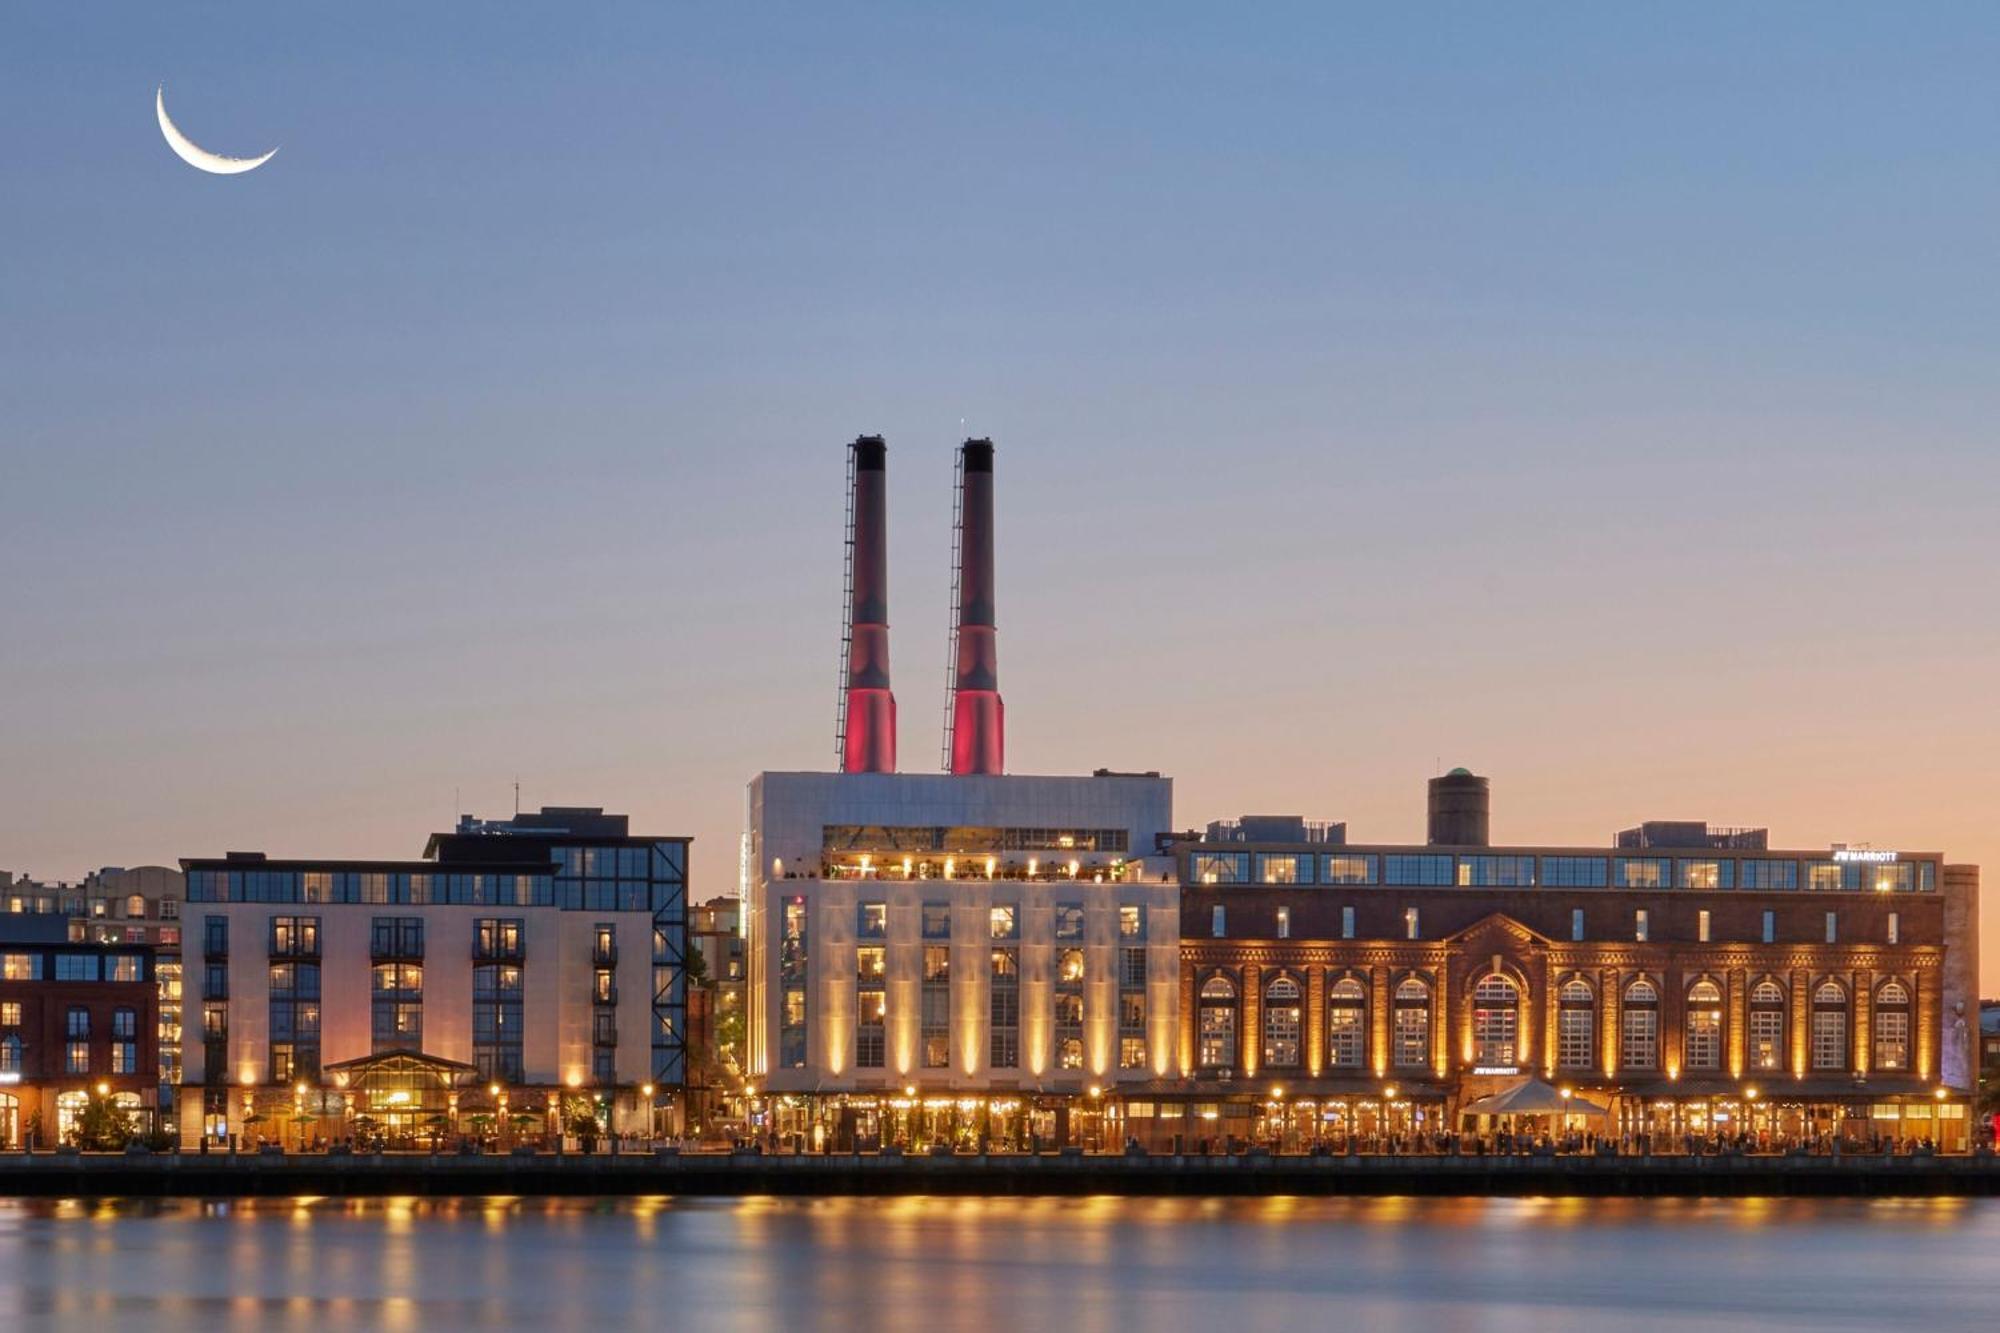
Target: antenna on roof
{"points": [[517, 798]]}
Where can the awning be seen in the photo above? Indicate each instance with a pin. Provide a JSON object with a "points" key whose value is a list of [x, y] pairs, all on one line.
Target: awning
{"points": [[1532, 1097]]}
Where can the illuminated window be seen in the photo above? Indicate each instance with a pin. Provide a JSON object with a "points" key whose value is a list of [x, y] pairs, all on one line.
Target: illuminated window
{"points": [[1703, 1035], [1218, 1023], [1219, 867], [1639, 1026], [1701, 923], [1132, 1007], [1576, 1025], [1069, 1008], [1004, 1009], [1767, 1025], [1641, 925], [396, 999], [1495, 1021], [10, 1014], [1131, 922], [1284, 923], [1412, 1023], [793, 942], [1891, 1026], [1895, 928], [1003, 923], [497, 1028], [1829, 1026], [1347, 869], [1642, 872], [1346, 1024], [935, 999], [1410, 926], [1284, 868], [1707, 874], [1281, 1023]]}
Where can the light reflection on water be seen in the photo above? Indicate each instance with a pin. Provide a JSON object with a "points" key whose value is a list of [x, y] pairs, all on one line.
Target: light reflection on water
{"points": [[1080, 1265]]}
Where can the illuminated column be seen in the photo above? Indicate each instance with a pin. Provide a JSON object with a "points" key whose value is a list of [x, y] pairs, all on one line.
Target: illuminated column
{"points": [[1441, 1007], [1864, 1019], [1927, 1019], [1315, 1019], [1188, 1012], [1736, 1016], [1252, 1001], [1549, 1007], [1610, 1003], [1673, 1016], [1801, 1020], [1378, 1018]]}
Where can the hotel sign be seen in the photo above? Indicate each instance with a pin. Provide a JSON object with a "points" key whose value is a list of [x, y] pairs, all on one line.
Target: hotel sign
{"points": [[1864, 857], [1486, 1071]]}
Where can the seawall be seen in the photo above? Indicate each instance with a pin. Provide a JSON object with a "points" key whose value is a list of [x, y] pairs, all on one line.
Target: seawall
{"points": [[73, 1175]]}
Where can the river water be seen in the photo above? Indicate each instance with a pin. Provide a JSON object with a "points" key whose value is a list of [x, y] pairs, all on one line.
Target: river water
{"points": [[1076, 1265]]}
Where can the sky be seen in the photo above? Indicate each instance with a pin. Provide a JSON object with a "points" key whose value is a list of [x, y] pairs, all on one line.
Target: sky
{"points": [[1597, 396]]}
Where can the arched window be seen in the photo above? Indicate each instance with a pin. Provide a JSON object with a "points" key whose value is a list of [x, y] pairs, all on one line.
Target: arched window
{"points": [[1892, 1025], [1703, 1038], [1413, 1023], [1281, 1023], [1829, 1025], [1767, 1025], [1496, 1020], [1218, 1023], [1576, 1025], [1639, 1026], [1346, 1024]]}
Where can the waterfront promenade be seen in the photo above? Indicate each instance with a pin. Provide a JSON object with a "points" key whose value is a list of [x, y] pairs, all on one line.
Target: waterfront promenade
{"points": [[1073, 1172]]}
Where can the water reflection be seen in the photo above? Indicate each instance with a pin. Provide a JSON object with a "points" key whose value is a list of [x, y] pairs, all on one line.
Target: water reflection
{"points": [[1078, 1264]]}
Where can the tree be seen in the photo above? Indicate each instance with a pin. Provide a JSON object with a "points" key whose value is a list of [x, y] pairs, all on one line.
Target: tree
{"points": [[580, 1119], [102, 1126]]}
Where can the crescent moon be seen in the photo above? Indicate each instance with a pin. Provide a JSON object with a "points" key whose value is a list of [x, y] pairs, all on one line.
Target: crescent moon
{"points": [[194, 154]]}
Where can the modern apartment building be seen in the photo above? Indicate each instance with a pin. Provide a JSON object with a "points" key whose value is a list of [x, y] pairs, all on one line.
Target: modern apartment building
{"points": [[520, 966]]}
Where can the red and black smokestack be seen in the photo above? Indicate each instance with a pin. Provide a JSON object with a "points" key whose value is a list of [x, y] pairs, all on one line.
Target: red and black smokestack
{"points": [[868, 740], [978, 718]]}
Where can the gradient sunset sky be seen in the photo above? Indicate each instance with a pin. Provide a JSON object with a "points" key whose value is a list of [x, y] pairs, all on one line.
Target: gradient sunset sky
{"points": [[1601, 397]]}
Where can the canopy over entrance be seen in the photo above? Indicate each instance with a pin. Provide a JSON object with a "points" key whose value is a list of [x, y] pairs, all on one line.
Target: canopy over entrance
{"points": [[404, 1093], [1532, 1097]]}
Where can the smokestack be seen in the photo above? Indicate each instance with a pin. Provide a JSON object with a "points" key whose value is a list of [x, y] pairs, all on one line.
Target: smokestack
{"points": [[867, 706], [978, 736]]}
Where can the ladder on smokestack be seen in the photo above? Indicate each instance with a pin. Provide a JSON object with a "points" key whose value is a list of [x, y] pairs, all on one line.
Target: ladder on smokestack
{"points": [[846, 624], [951, 643]]}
